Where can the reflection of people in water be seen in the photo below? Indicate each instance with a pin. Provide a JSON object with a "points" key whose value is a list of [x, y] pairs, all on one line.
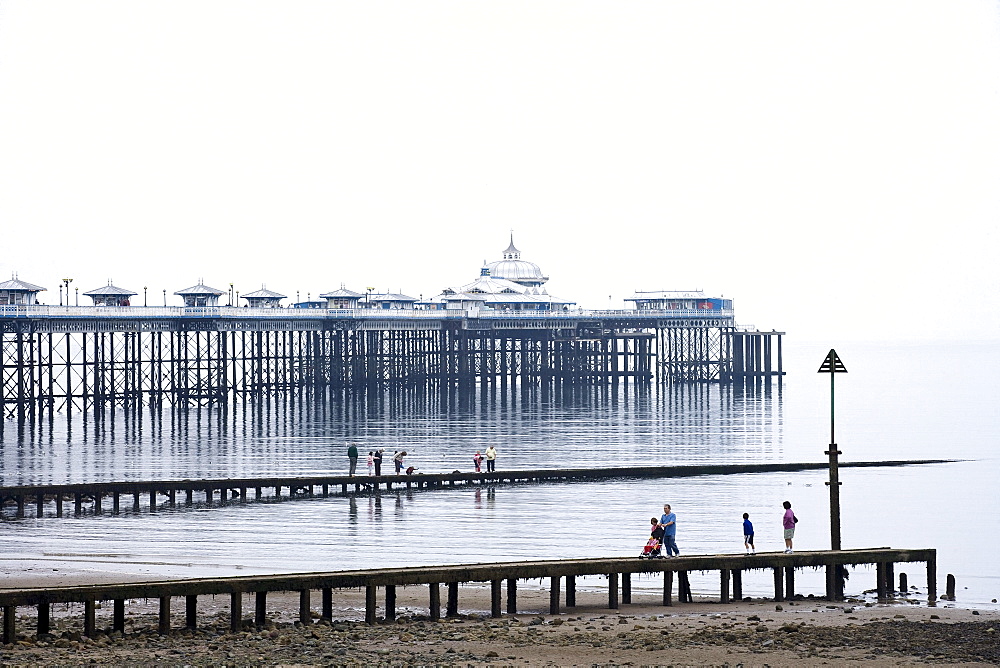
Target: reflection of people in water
{"points": [[352, 513]]}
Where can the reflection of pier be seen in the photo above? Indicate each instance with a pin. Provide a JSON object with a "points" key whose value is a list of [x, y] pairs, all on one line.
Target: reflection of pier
{"points": [[150, 495], [59, 358], [617, 570]]}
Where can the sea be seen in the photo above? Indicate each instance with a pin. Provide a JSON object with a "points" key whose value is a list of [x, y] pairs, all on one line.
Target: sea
{"points": [[899, 401]]}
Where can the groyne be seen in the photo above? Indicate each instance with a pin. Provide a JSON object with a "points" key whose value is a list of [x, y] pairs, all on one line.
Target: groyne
{"points": [[149, 495]]}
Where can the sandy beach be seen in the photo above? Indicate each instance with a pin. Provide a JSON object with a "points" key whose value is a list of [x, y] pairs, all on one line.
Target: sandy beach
{"points": [[759, 632]]}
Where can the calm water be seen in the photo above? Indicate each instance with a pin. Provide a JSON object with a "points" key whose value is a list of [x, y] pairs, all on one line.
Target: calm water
{"points": [[895, 403]]}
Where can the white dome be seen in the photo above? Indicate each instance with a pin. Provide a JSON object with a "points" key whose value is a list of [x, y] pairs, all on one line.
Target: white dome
{"points": [[513, 268]]}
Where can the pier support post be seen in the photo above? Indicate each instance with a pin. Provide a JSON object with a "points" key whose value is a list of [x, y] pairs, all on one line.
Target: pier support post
{"points": [[305, 615], [512, 596], [738, 585], [191, 611], [116, 503], [626, 588], [43, 618], [778, 591], [790, 583], [668, 586], [880, 585], [496, 593], [452, 608], [327, 604], [931, 581], [831, 583], [554, 595], [613, 591], [434, 591], [890, 579], [370, 604], [683, 587], [390, 603], [570, 591], [90, 618], [39, 505], [59, 501], [724, 586], [904, 586], [235, 611], [9, 624], [164, 620], [260, 609], [118, 621], [949, 587]]}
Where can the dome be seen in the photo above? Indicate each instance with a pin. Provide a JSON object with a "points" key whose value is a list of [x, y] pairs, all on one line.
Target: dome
{"points": [[513, 268]]}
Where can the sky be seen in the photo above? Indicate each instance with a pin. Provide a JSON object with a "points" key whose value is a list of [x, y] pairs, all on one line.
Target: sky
{"points": [[832, 167]]}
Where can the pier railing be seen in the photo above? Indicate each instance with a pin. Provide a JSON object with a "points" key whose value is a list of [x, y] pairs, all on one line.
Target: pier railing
{"points": [[338, 314]]}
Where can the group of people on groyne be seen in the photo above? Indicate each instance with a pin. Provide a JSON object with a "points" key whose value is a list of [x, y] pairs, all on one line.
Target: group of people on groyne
{"points": [[663, 533], [375, 461]]}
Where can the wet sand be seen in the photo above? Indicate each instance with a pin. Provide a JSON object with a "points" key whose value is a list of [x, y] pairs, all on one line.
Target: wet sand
{"points": [[804, 632]]}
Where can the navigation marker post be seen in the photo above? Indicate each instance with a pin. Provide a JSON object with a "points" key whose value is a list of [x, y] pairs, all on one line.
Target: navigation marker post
{"points": [[832, 365]]}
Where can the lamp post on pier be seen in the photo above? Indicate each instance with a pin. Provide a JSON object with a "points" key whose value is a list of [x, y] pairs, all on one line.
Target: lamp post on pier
{"points": [[145, 302], [76, 297], [164, 296], [832, 365], [66, 281]]}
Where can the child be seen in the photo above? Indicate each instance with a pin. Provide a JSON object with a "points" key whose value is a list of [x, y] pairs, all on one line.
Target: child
{"points": [[748, 534], [652, 548], [477, 459], [371, 461]]}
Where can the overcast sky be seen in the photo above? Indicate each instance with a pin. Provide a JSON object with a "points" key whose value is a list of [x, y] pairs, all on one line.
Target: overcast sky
{"points": [[833, 167]]}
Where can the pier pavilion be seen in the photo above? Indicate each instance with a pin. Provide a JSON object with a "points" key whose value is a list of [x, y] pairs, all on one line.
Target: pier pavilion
{"points": [[501, 330]]}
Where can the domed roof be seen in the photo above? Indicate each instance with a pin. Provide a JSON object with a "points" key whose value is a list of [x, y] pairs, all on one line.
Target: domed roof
{"points": [[513, 268]]}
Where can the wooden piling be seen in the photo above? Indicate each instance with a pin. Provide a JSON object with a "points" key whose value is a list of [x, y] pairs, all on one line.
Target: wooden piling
{"points": [[118, 616], [724, 576], [626, 588], [327, 612], [9, 624], [554, 595], [496, 591], [570, 591], [949, 587], [434, 591], [613, 591], [370, 604], [164, 617], [790, 583], [260, 609], [452, 608], [390, 603], [668, 585], [904, 587], [512, 596], [43, 617], [778, 581], [738, 584], [305, 614]]}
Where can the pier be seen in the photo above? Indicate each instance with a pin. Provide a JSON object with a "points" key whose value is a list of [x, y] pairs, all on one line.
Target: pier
{"points": [[561, 575], [153, 494], [66, 358]]}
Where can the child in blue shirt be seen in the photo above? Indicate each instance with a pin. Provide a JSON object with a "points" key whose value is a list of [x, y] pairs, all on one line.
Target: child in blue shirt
{"points": [[748, 534]]}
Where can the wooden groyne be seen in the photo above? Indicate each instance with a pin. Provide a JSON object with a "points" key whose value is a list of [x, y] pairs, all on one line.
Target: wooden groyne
{"points": [[153, 494], [559, 573]]}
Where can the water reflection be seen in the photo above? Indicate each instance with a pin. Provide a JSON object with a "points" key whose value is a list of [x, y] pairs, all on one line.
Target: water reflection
{"points": [[530, 427]]}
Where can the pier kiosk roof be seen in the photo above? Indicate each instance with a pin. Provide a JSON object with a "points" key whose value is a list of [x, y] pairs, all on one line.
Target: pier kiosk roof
{"points": [[200, 295], [342, 298], [18, 292], [110, 295], [264, 298]]}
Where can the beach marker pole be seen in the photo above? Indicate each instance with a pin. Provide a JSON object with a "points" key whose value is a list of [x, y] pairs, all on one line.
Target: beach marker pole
{"points": [[832, 365]]}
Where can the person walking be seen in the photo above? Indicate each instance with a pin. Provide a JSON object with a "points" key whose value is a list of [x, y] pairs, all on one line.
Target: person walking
{"points": [[377, 460], [748, 534], [352, 454], [668, 521], [788, 522], [491, 459]]}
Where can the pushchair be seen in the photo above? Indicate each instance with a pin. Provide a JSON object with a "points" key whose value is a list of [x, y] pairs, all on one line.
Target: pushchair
{"points": [[652, 549]]}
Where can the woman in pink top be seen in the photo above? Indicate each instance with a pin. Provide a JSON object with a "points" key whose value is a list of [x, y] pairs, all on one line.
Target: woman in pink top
{"points": [[788, 522]]}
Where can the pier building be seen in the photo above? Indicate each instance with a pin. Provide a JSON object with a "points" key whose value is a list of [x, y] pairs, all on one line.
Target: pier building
{"points": [[264, 298], [501, 330], [110, 295], [16, 292]]}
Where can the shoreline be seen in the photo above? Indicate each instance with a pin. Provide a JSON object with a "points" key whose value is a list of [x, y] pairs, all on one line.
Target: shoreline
{"points": [[800, 632]]}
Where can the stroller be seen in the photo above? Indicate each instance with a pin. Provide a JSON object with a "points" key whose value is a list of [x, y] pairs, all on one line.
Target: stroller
{"points": [[652, 548]]}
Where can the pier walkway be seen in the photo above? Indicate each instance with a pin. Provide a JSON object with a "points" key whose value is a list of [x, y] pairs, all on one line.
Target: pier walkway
{"points": [[153, 494], [618, 571]]}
